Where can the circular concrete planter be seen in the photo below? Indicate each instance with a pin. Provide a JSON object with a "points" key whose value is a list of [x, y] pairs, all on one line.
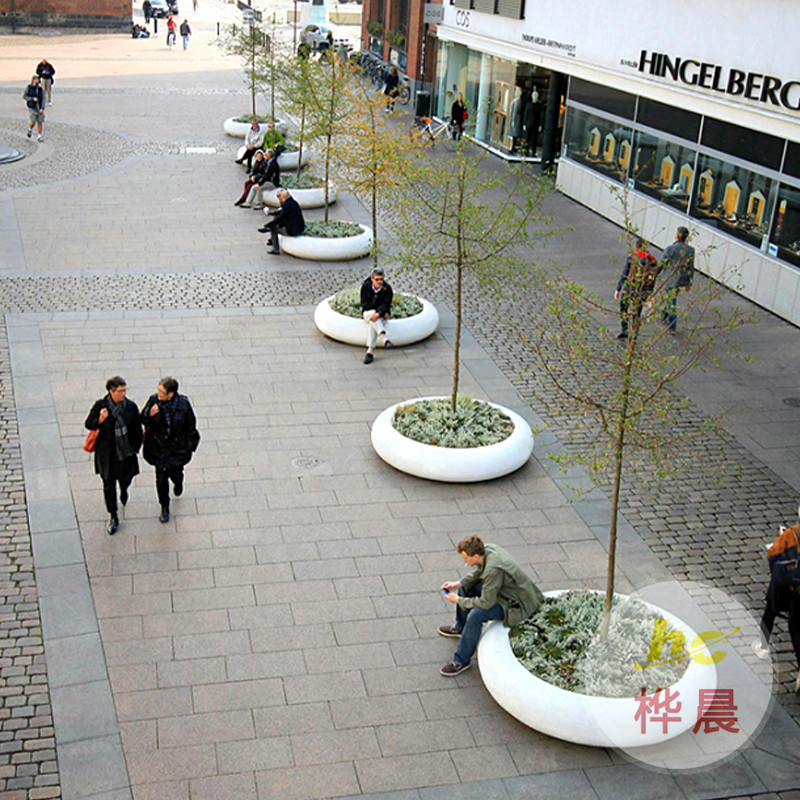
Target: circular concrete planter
{"points": [[580, 718], [354, 331], [288, 159], [315, 248], [451, 464], [306, 198], [239, 129]]}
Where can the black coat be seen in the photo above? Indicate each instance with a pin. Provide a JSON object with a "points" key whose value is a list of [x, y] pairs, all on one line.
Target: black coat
{"points": [[173, 449], [105, 451], [291, 217], [380, 301], [272, 173]]}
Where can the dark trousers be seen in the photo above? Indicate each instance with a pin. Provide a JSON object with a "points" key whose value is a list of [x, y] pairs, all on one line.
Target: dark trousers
{"points": [[248, 185], [274, 229], [163, 476], [781, 600], [670, 312], [248, 156], [627, 301], [110, 492]]}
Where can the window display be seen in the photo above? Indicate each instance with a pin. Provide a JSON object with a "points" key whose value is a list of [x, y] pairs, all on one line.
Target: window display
{"points": [[733, 199], [600, 144], [785, 238], [663, 170]]}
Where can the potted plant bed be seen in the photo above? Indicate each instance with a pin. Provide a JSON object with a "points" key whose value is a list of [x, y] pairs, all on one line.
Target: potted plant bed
{"points": [[481, 442], [335, 240], [339, 317], [307, 189], [573, 714], [238, 126]]}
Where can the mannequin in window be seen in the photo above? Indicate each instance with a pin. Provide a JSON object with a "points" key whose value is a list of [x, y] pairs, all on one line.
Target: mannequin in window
{"points": [[531, 121], [515, 119]]}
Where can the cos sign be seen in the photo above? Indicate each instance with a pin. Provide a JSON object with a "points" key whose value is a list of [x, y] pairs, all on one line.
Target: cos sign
{"points": [[462, 18]]}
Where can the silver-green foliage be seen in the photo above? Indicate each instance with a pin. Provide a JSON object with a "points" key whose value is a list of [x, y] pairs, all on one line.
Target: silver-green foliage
{"points": [[333, 229], [348, 302], [304, 181], [474, 423], [561, 644]]}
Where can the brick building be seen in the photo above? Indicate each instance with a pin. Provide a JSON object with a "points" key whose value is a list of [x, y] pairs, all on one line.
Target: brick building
{"points": [[72, 14]]}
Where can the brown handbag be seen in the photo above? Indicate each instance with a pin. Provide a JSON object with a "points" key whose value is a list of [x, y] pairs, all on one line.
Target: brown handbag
{"points": [[91, 440]]}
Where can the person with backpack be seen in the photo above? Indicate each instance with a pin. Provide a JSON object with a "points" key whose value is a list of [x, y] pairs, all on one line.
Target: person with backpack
{"points": [[783, 594], [34, 97], [635, 285]]}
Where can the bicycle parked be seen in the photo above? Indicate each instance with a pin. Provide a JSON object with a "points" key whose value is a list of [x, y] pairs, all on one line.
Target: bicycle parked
{"points": [[429, 130]]}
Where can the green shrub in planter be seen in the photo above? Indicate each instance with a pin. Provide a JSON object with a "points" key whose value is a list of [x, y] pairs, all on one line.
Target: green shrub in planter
{"points": [[262, 119], [333, 229], [304, 181], [348, 302], [561, 644], [474, 424]]}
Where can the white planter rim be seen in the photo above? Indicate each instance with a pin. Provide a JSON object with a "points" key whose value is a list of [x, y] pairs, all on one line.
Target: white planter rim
{"points": [[306, 198], [452, 465], [315, 248]]}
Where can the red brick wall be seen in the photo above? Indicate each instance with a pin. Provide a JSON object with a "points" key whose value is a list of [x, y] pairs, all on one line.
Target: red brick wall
{"points": [[66, 13]]}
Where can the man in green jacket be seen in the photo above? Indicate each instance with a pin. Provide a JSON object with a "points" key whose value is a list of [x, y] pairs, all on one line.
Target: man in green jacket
{"points": [[497, 588]]}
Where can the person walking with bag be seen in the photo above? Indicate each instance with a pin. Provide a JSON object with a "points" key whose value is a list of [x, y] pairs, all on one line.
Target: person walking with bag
{"points": [[783, 594], [118, 441], [171, 438]]}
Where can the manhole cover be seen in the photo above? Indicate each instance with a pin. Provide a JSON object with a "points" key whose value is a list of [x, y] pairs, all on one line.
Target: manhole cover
{"points": [[306, 463], [10, 154], [792, 402]]}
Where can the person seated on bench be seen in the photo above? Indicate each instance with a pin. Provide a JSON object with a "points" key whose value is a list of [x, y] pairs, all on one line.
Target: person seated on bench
{"points": [[259, 167], [252, 142], [273, 140], [270, 173], [288, 220]]}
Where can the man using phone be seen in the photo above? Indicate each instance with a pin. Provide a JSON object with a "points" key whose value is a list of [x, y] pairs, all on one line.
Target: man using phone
{"points": [[497, 588]]}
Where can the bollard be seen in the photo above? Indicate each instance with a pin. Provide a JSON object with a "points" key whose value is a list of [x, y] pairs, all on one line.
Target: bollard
{"points": [[218, 29], [155, 24]]}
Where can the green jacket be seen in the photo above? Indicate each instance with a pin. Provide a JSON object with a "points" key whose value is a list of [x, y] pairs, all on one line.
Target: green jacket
{"points": [[502, 581], [272, 140]]}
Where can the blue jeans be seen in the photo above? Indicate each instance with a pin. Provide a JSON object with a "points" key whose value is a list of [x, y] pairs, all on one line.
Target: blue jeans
{"points": [[470, 624], [670, 312], [185, 37]]}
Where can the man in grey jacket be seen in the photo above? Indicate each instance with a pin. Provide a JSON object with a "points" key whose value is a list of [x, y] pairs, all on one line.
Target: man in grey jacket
{"points": [[497, 588], [679, 265]]}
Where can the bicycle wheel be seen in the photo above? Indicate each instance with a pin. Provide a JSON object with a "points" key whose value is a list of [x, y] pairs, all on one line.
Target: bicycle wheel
{"points": [[404, 95]]}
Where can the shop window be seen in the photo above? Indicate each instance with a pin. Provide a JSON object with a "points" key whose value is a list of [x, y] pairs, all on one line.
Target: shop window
{"points": [[663, 170], [598, 143], [603, 98], [669, 119], [755, 146], [514, 9], [785, 238], [791, 165], [735, 200]]}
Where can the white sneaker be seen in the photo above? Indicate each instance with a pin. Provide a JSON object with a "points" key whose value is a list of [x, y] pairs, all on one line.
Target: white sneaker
{"points": [[39, 138], [30, 132], [760, 651]]}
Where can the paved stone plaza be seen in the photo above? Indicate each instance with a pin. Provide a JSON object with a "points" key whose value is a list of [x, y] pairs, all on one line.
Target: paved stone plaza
{"points": [[277, 638]]}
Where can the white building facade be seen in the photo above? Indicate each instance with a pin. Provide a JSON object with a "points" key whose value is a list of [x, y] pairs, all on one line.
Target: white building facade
{"points": [[694, 108]]}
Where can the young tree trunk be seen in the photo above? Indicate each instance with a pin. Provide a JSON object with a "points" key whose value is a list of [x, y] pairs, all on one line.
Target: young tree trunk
{"points": [[300, 139], [329, 133], [253, 69], [457, 343]]}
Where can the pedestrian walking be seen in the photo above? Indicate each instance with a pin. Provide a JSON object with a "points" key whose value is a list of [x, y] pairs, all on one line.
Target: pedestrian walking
{"points": [[171, 31], [783, 594], [34, 97], [147, 8], [635, 285], [186, 32], [118, 441], [194, 6], [679, 263], [458, 116], [497, 588], [390, 89], [171, 438], [46, 72]]}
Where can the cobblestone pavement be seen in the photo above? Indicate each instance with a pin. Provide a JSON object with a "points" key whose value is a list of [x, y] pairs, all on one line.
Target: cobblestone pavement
{"points": [[677, 525]]}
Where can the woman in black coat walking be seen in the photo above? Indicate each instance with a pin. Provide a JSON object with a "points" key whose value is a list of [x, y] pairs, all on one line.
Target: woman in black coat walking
{"points": [[118, 442], [171, 437]]}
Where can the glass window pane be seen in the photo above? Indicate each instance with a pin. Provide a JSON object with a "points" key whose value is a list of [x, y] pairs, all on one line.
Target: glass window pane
{"points": [[786, 229], [755, 146], [662, 170], [598, 143], [505, 106], [620, 104], [669, 119], [792, 164], [734, 200]]}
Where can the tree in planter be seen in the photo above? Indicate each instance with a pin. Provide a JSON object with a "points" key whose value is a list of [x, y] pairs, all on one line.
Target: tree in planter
{"points": [[297, 76], [622, 396], [458, 220], [247, 44]]}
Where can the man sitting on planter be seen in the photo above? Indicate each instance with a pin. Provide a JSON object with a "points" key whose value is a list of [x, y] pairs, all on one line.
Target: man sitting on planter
{"points": [[288, 220], [497, 588], [376, 305]]}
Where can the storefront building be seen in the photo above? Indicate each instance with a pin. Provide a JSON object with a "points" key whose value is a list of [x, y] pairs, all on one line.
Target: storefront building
{"points": [[698, 129]]}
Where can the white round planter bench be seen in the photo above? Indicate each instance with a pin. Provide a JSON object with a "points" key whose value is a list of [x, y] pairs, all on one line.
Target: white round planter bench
{"points": [[316, 248], [288, 159], [452, 464], [354, 331], [580, 718], [239, 129], [306, 198]]}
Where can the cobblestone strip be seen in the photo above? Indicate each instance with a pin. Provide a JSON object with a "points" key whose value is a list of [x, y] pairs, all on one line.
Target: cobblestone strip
{"points": [[28, 766]]}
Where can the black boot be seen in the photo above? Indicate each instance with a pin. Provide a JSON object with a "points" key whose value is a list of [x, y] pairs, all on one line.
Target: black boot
{"points": [[164, 516], [113, 525]]}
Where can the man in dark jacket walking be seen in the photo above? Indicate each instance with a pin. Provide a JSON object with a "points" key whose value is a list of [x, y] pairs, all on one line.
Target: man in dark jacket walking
{"points": [[287, 220], [376, 306], [679, 263], [635, 285], [34, 97], [171, 437], [46, 72], [186, 32]]}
